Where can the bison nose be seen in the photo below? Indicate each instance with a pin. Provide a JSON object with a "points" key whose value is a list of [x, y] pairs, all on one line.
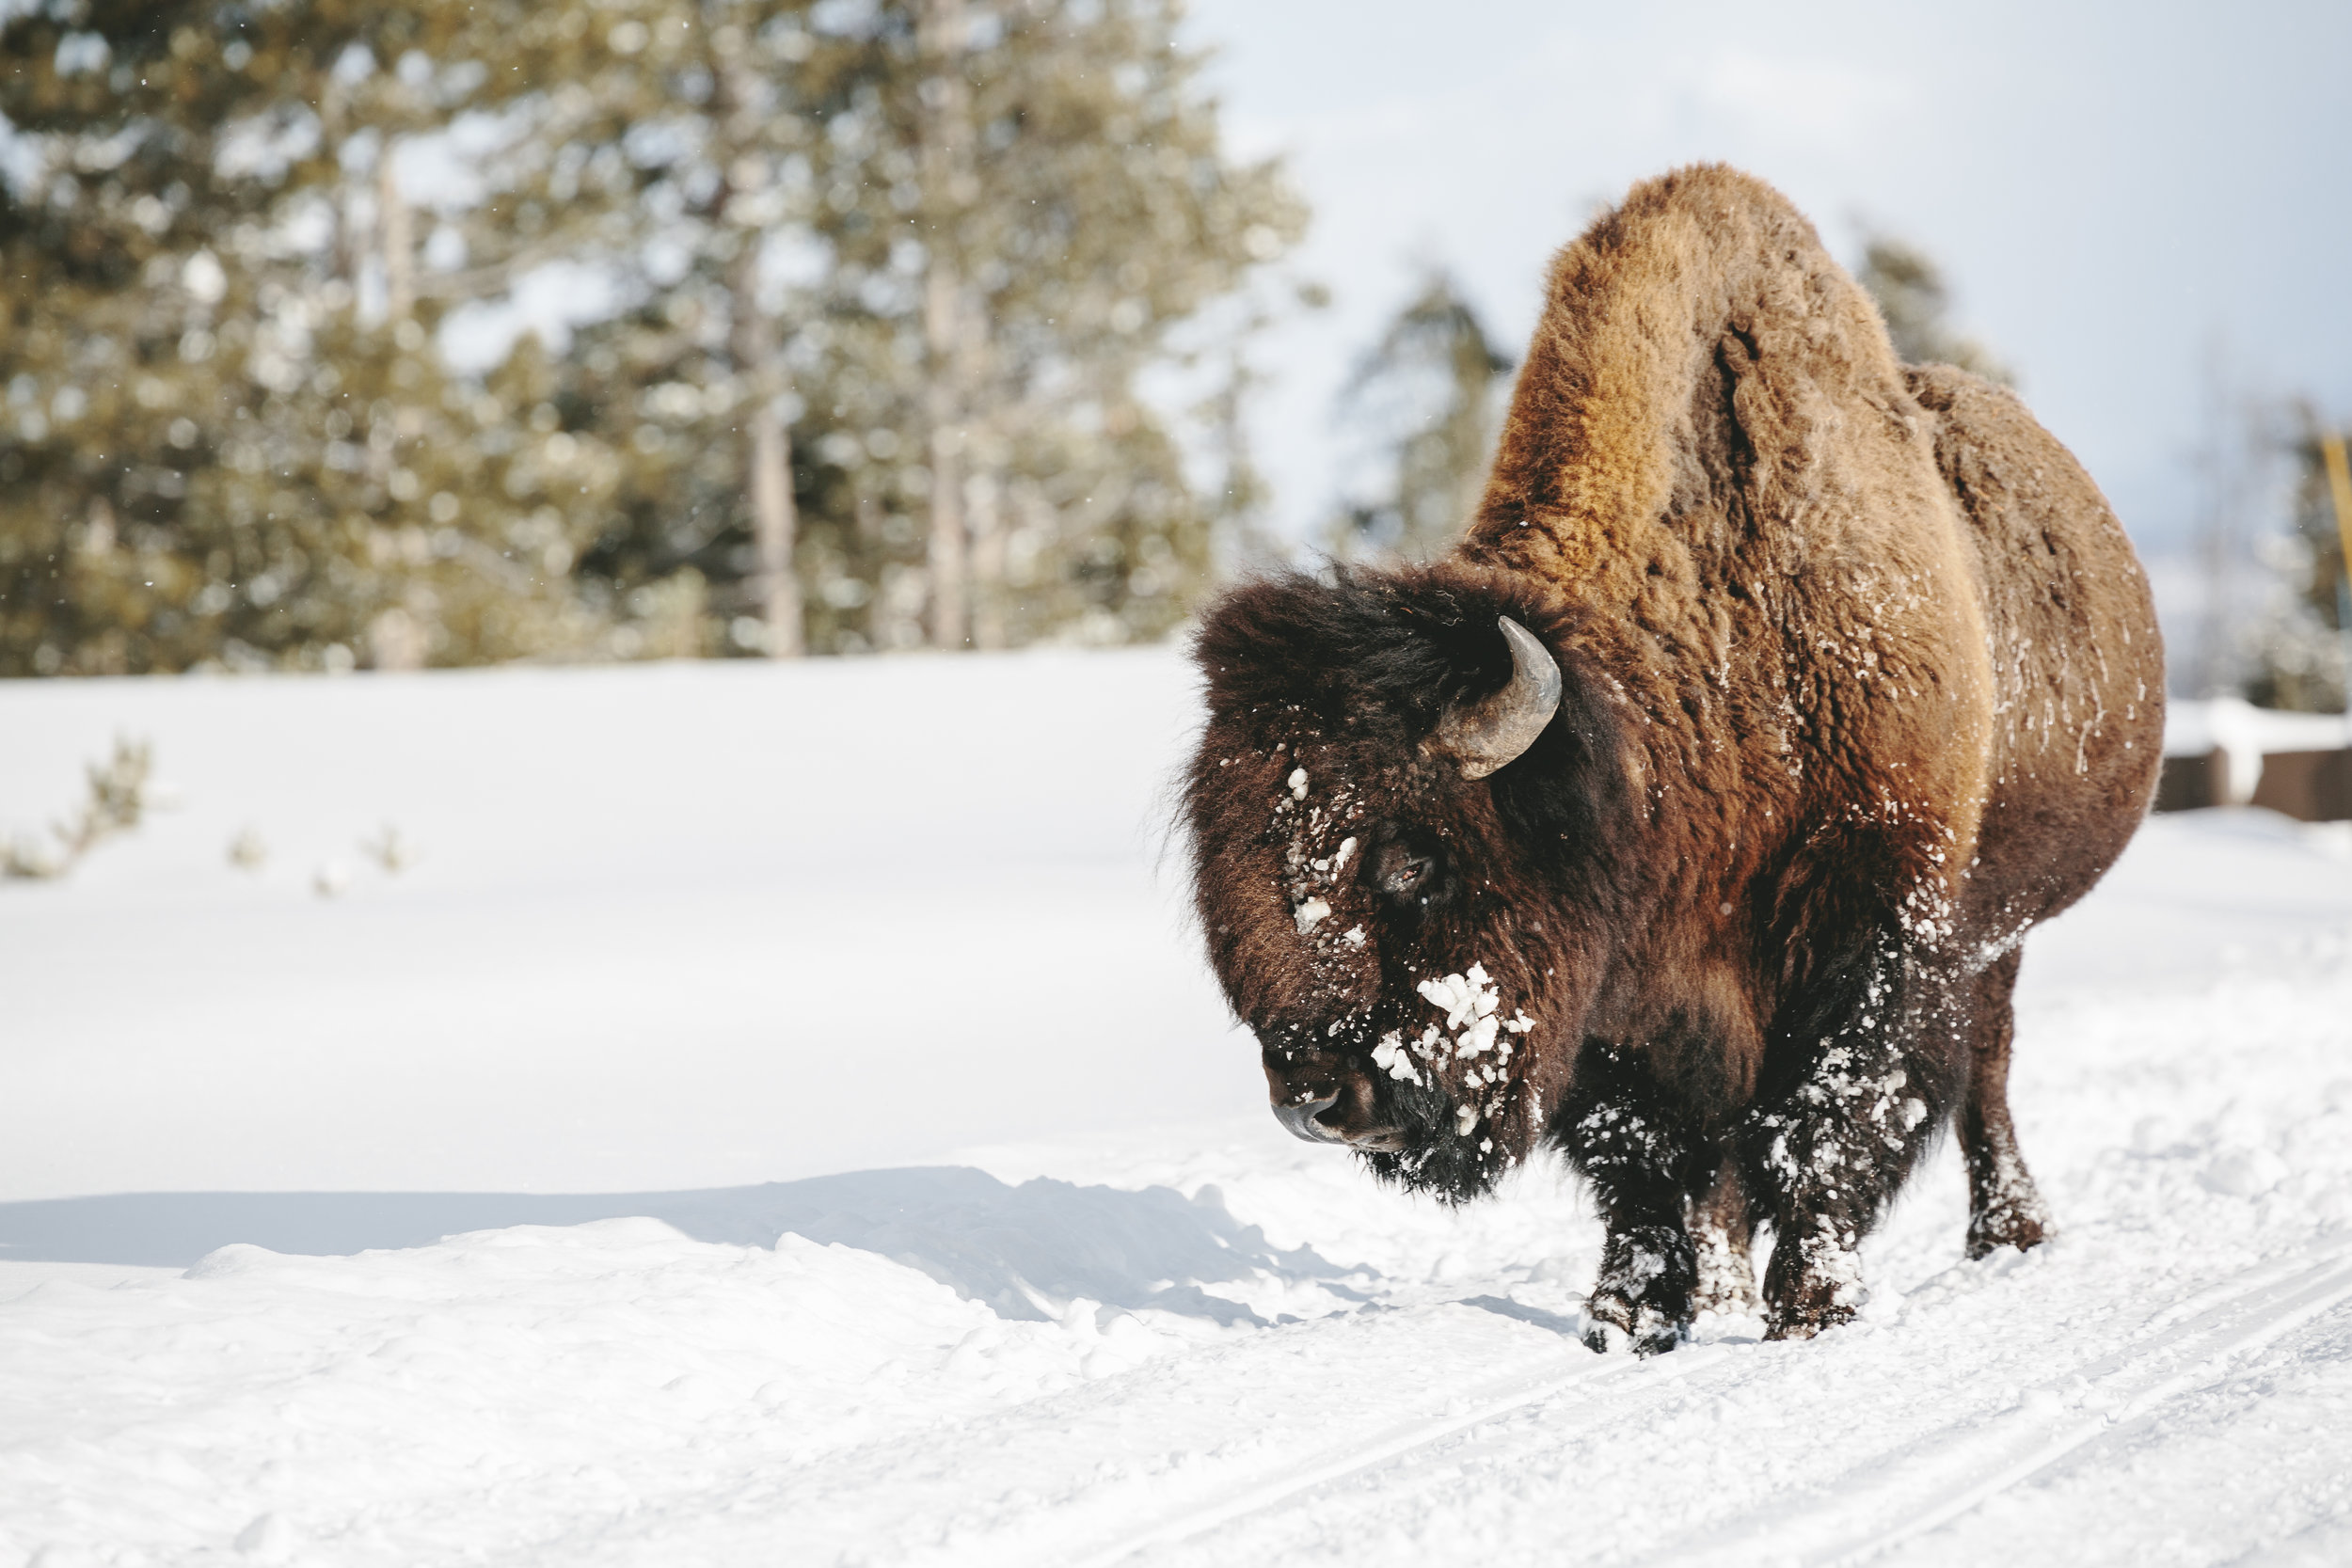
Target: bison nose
{"points": [[1299, 1115]]}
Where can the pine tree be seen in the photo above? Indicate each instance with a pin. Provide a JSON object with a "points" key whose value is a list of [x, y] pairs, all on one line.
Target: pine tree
{"points": [[681, 148], [215, 461], [835, 360], [1422, 403], [1054, 209], [2298, 648], [1916, 303], [1000, 215]]}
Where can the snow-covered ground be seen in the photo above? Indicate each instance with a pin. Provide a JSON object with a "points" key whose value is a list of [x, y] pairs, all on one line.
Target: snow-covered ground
{"points": [[781, 1119]]}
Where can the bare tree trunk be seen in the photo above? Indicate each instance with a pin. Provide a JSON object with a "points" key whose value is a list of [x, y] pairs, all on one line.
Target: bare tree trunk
{"points": [[988, 560], [775, 524], [397, 238], [768, 446], [946, 132], [2331, 457], [947, 452], [768, 458]]}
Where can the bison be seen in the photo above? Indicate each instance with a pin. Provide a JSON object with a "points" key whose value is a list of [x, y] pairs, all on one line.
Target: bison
{"points": [[1686, 817]]}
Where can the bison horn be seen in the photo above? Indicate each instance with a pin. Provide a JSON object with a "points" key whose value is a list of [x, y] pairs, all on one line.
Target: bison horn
{"points": [[1486, 736]]}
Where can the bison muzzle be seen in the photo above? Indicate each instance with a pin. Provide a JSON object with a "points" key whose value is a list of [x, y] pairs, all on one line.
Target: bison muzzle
{"points": [[1687, 817]]}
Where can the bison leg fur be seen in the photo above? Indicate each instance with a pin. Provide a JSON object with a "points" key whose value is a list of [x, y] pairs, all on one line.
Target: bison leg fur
{"points": [[2004, 1206], [1826, 1155], [1721, 1229], [1642, 1165]]}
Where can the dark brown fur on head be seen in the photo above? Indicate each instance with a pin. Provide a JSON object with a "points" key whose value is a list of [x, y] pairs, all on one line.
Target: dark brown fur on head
{"points": [[1341, 865]]}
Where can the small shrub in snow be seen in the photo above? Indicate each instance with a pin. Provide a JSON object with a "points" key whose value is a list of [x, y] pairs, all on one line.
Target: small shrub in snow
{"points": [[122, 790], [249, 850], [391, 851]]}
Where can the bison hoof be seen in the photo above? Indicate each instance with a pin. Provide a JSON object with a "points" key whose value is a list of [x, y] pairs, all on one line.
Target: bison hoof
{"points": [[1614, 1324], [1643, 1291], [1804, 1323], [1995, 1229]]}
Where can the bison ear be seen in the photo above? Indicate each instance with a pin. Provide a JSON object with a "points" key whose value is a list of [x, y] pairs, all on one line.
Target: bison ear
{"points": [[1489, 734]]}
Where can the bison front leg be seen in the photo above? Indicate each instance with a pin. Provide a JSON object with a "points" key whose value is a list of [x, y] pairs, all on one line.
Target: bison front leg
{"points": [[1641, 1164], [1825, 1157]]}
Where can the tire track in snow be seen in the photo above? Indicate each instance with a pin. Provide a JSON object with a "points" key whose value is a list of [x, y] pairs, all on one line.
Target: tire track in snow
{"points": [[1096, 1473], [2191, 1346], [1500, 1398]]}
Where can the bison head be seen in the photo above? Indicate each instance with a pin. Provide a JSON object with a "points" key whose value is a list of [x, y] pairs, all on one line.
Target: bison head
{"points": [[1404, 813]]}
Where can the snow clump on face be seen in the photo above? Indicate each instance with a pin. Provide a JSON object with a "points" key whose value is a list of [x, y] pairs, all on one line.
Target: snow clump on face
{"points": [[1390, 1056], [1473, 1025], [1470, 1001]]}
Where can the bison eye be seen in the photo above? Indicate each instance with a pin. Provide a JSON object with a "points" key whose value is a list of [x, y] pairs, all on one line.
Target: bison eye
{"points": [[1404, 871]]}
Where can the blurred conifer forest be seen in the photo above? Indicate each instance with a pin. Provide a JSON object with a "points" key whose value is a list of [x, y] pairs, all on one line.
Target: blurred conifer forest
{"points": [[914, 322], [2295, 652], [1424, 406]]}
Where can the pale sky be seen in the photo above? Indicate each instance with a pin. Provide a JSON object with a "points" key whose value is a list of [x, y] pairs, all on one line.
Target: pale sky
{"points": [[2117, 193]]}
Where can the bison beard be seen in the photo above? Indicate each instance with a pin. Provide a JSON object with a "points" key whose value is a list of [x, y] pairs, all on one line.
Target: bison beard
{"points": [[1687, 817]]}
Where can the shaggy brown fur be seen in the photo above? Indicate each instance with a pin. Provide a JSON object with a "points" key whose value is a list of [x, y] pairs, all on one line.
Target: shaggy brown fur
{"points": [[1861, 681]]}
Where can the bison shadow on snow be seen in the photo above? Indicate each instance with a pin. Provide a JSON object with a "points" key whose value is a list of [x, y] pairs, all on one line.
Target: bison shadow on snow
{"points": [[1024, 1251]]}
